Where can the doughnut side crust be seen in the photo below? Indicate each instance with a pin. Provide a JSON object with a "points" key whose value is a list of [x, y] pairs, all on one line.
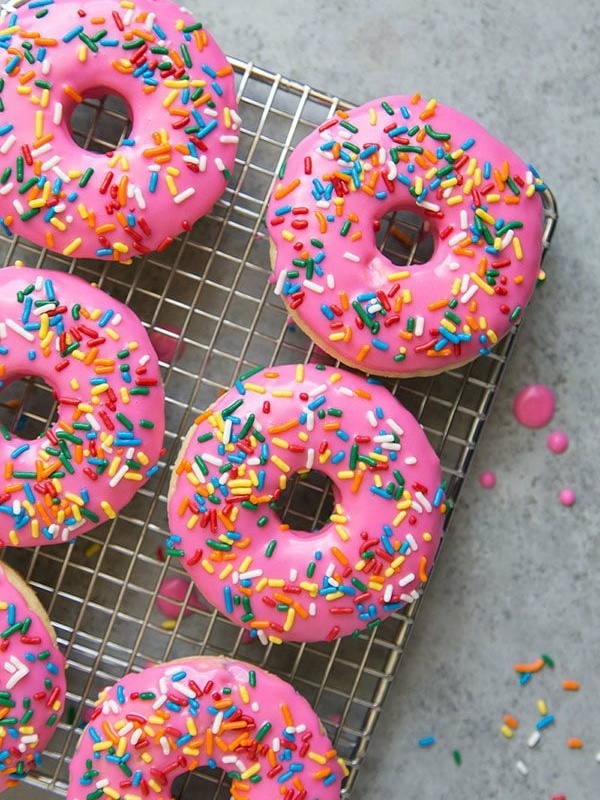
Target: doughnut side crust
{"points": [[479, 202], [373, 554], [174, 717]]}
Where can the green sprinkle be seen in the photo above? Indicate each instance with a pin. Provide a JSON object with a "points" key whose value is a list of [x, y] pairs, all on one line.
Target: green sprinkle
{"points": [[513, 186], [226, 412], [359, 584], [89, 43], [186, 56], [195, 26], [547, 660], [214, 544], [133, 46], [436, 134], [85, 178], [457, 758], [146, 423], [310, 570], [202, 466], [252, 678], [147, 696], [124, 420], [263, 731], [348, 126], [271, 548], [387, 108], [343, 232], [262, 521], [452, 317], [516, 313], [281, 171]]}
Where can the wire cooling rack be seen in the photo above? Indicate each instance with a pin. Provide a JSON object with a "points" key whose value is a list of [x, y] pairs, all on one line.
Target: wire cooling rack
{"points": [[208, 302]]}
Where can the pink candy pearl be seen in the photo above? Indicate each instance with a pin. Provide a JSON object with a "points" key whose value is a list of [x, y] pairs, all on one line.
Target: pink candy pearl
{"points": [[567, 497], [487, 479], [557, 441]]}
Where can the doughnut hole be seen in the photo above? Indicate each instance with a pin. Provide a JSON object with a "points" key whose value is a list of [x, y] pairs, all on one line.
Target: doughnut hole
{"points": [[405, 237], [100, 122], [307, 501], [27, 407]]}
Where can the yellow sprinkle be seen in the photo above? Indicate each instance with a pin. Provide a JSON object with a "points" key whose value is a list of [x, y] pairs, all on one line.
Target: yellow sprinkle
{"points": [[70, 248], [542, 707], [82, 54], [516, 243], [485, 216], [506, 731], [279, 462], [108, 509], [207, 566], [481, 283], [168, 624], [299, 373]]}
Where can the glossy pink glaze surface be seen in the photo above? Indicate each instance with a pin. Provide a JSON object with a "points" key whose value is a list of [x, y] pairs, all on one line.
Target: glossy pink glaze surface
{"points": [[184, 131], [534, 405], [482, 207], [190, 707], [371, 557], [32, 683], [95, 354]]}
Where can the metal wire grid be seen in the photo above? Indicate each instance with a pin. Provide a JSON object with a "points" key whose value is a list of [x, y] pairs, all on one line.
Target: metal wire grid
{"points": [[209, 296]]}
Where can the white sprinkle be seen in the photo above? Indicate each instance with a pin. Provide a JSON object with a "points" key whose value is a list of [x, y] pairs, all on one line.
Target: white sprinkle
{"points": [[429, 206], [251, 573], [346, 390], [522, 767], [219, 163], [118, 476], [534, 739], [8, 143], [39, 151], [136, 736], [93, 421], [528, 177], [457, 238], [507, 239], [14, 326], [464, 284], [46, 67], [314, 287], [419, 325], [62, 175], [407, 598], [7, 188], [210, 112], [417, 507], [321, 389], [52, 162], [164, 743], [330, 570], [3, 333], [323, 204], [203, 163], [406, 579], [16, 507], [312, 609], [235, 577], [464, 219], [293, 575], [18, 205], [412, 541], [280, 282], [227, 430], [139, 198], [383, 437], [101, 784], [310, 458], [57, 114], [228, 759], [395, 427], [392, 171], [410, 461], [190, 160], [276, 744], [415, 594], [453, 266], [179, 198], [235, 118], [469, 293], [17, 671], [240, 765], [351, 256], [387, 595], [424, 501], [216, 726], [371, 418], [396, 446], [330, 281], [310, 421], [228, 139], [150, 19], [212, 459], [43, 310], [33, 739], [126, 729], [116, 320], [255, 706]]}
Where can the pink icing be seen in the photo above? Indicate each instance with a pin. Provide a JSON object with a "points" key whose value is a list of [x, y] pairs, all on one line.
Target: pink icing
{"points": [[372, 556], [95, 354], [185, 126], [534, 405], [172, 593], [168, 348], [484, 212], [487, 479], [558, 442], [191, 705], [32, 681]]}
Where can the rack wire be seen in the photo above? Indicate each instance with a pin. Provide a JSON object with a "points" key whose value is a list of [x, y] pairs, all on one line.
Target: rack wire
{"points": [[209, 305]]}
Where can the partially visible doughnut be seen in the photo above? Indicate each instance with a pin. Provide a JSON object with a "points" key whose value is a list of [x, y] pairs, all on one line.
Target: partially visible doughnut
{"points": [[172, 718], [32, 679], [482, 206], [175, 161], [95, 354]]}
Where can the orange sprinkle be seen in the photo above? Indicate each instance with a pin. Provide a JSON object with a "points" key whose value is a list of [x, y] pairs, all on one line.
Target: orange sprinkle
{"points": [[575, 744], [283, 191], [536, 666], [511, 722], [571, 686]]}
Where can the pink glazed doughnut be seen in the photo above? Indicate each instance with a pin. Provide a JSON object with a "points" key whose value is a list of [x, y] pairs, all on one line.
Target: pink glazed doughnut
{"points": [[484, 211], [32, 682], [172, 718], [95, 354], [173, 165], [371, 557]]}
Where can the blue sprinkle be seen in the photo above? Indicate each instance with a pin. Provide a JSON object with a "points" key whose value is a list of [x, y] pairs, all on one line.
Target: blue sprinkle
{"points": [[544, 722], [68, 37], [6, 128], [405, 112], [426, 741], [468, 143], [327, 312], [209, 70]]}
